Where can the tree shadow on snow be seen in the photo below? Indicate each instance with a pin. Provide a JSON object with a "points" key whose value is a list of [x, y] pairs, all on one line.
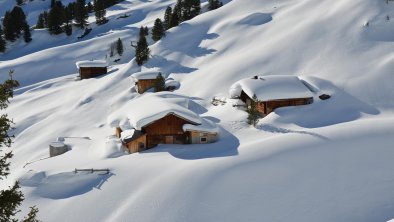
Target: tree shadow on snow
{"points": [[69, 184], [341, 107], [168, 66], [227, 145]]}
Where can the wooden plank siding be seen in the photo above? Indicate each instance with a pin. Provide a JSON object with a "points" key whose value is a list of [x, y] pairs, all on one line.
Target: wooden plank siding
{"points": [[144, 84], [91, 72], [137, 145], [167, 130]]}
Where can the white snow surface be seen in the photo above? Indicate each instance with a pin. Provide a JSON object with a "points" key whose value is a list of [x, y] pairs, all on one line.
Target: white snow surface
{"points": [[144, 75], [328, 161], [268, 88], [91, 63]]}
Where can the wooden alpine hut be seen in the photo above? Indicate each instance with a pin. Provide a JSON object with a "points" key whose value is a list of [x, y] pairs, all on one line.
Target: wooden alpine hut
{"points": [[169, 122], [272, 92], [91, 68], [144, 80]]}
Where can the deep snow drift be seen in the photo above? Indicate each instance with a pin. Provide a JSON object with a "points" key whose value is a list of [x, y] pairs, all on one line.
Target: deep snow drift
{"points": [[328, 161]]}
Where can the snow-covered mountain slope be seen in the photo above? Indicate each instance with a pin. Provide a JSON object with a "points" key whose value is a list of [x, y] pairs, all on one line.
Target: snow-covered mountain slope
{"points": [[328, 161]]}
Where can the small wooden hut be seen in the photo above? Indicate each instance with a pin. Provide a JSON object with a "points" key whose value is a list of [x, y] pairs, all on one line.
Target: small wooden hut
{"points": [[272, 92], [144, 80], [92, 68]]}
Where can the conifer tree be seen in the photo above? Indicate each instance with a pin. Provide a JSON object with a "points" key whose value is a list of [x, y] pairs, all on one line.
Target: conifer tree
{"points": [[53, 3], [167, 18], [68, 16], [45, 17], [142, 31], [214, 4], [80, 14], [175, 20], [142, 51], [40, 22], [19, 2], [13, 23], [160, 84], [2, 41], [190, 9], [9, 27], [119, 47], [89, 7], [26, 33], [146, 31], [253, 113], [100, 11], [158, 30], [56, 18], [11, 198]]}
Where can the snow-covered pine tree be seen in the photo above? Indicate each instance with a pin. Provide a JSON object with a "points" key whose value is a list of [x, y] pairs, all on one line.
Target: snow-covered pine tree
{"points": [[167, 18], [142, 51], [253, 113], [160, 84], [119, 46], [158, 30], [100, 11]]}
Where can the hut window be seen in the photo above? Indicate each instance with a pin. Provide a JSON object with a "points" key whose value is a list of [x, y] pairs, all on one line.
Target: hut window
{"points": [[203, 139]]}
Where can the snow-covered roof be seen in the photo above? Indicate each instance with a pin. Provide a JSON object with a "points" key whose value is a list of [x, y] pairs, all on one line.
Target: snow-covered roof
{"points": [[268, 88], [129, 135], [145, 75], [91, 63], [205, 126], [150, 107], [172, 83]]}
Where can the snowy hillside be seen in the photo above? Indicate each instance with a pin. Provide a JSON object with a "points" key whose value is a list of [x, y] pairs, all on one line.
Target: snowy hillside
{"points": [[328, 161]]}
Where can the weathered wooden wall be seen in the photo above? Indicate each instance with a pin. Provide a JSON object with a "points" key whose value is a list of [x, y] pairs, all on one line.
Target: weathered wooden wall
{"points": [[272, 105], [91, 72], [144, 84], [134, 146]]}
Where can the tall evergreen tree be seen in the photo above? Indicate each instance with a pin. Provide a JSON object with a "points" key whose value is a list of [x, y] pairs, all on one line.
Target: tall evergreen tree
{"points": [[190, 9], [167, 18], [11, 198], [80, 14], [160, 83], [175, 19], [56, 18], [100, 11], [40, 22], [142, 51], [142, 31], [253, 113], [9, 27], [13, 23], [2, 41], [119, 46], [158, 30], [146, 31], [26, 33], [68, 17], [89, 7]]}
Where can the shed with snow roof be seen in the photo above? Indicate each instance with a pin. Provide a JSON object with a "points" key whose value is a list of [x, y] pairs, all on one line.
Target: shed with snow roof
{"points": [[91, 68], [272, 92], [144, 80]]}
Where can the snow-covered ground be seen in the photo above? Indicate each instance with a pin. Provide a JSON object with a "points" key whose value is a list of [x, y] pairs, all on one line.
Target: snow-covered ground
{"points": [[328, 161]]}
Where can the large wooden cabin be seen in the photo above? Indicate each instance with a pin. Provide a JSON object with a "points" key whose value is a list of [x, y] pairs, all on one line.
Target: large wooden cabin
{"points": [[91, 69], [170, 122], [272, 92]]}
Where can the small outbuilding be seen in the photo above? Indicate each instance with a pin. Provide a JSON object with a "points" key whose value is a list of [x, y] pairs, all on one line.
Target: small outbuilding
{"points": [[272, 92], [144, 80], [169, 122], [91, 68]]}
